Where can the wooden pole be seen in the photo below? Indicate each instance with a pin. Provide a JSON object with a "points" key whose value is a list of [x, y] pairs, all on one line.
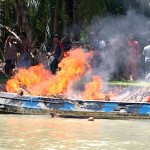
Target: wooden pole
{"points": [[13, 33]]}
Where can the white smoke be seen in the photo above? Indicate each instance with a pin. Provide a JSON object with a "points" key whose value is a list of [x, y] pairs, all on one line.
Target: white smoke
{"points": [[116, 29]]}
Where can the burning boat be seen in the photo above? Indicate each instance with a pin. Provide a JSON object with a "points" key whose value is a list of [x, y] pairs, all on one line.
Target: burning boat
{"points": [[63, 107], [36, 91]]}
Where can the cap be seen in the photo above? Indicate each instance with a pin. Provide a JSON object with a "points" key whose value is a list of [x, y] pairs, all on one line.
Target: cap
{"points": [[56, 35]]}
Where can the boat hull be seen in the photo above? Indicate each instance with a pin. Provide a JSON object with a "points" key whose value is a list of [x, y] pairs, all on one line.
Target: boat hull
{"points": [[36, 105]]}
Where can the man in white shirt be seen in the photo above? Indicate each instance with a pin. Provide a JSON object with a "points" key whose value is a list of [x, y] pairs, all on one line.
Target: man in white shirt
{"points": [[146, 53], [102, 44]]}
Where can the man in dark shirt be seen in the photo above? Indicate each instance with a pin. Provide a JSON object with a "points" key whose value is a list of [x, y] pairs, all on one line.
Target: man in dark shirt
{"points": [[58, 53]]}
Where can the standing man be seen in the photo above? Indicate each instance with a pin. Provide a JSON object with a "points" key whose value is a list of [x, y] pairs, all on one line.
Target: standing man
{"points": [[98, 50], [134, 55], [94, 42], [146, 53], [10, 52], [57, 54], [25, 58]]}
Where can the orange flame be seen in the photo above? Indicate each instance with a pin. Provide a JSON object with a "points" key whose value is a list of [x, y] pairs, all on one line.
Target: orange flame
{"points": [[72, 68], [147, 99], [40, 81], [28, 78], [93, 89]]}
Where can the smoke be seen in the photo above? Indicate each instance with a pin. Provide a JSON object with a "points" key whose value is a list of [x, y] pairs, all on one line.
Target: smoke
{"points": [[114, 30]]}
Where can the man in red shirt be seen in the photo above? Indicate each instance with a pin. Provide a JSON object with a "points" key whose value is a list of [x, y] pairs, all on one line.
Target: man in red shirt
{"points": [[134, 55]]}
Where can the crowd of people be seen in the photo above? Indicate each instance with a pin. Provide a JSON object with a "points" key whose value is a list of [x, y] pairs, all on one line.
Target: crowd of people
{"points": [[18, 53], [120, 56]]}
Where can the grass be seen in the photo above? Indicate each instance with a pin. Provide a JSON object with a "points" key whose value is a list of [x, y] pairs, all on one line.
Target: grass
{"points": [[130, 83]]}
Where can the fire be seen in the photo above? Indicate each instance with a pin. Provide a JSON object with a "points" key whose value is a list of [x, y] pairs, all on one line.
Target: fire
{"points": [[39, 81], [73, 68], [28, 78], [147, 99], [93, 89]]}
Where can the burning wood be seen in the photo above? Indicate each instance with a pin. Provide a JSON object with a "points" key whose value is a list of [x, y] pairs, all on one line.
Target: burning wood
{"points": [[138, 96]]}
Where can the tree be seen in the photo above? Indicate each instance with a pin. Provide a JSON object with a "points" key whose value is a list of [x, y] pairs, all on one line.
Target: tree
{"points": [[66, 16], [23, 17], [76, 25], [89, 8], [42, 18]]}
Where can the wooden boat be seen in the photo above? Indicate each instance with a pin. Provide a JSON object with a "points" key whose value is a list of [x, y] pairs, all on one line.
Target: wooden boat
{"points": [[61, 107]]}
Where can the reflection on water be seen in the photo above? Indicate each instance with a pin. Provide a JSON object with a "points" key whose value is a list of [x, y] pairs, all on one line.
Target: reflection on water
{"points": [[45, 133]]}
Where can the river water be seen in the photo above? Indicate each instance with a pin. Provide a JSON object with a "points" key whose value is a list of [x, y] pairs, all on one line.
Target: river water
{"points": [[18, 132]]}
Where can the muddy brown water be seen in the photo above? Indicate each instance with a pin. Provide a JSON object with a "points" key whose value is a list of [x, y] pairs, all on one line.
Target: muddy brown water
{"points": [[44, 133]]}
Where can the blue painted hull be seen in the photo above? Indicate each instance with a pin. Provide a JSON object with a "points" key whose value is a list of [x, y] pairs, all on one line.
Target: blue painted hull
{"points": [[38, 105]]}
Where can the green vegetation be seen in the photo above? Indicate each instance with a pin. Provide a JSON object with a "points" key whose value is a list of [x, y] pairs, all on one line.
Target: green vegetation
{"points": [[41, 18], [130, 83]]}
